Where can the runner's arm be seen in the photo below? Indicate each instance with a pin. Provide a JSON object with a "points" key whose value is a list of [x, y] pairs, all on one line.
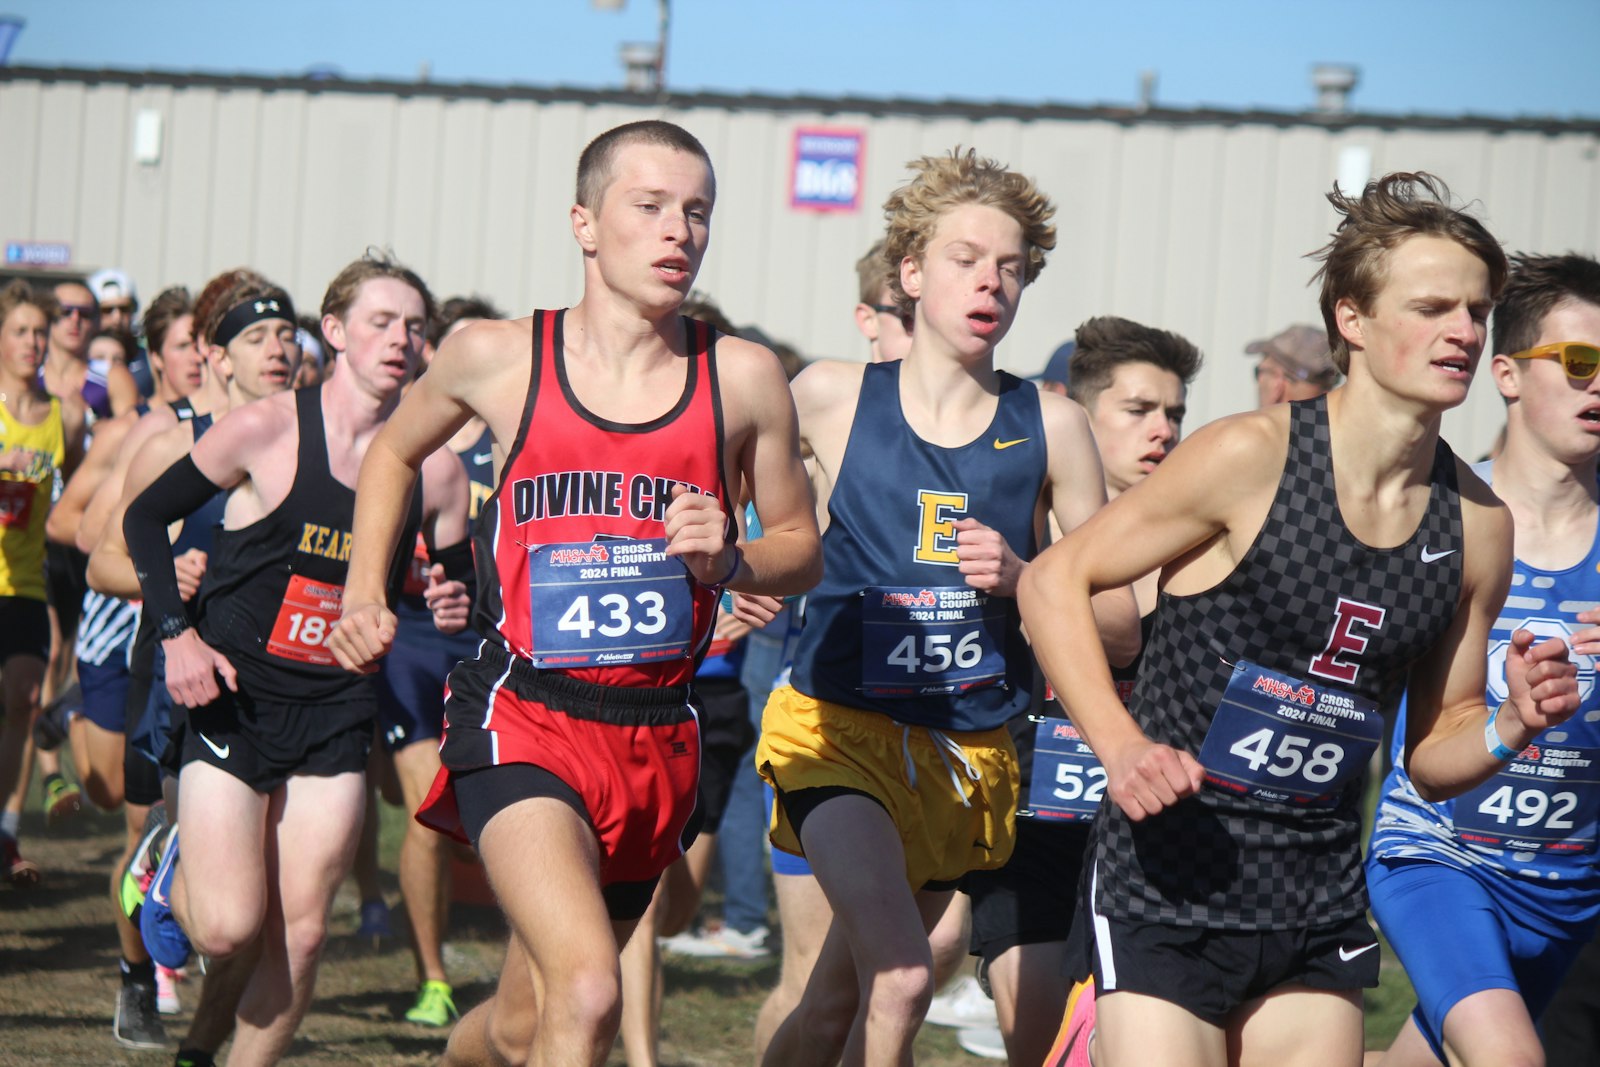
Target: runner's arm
{"points": [[787, 558], [1447, 750], [1077, 491], [432, 410], [108, 494], [66, 517], [111, 570], [122, 389], [1180, 506]]}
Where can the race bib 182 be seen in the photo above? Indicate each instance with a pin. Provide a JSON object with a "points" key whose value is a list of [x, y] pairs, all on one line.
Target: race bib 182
{"points": [[306, 620]]}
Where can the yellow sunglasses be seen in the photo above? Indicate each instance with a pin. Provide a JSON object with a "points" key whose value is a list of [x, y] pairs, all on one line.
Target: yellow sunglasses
{"points": [[1579, 360]]}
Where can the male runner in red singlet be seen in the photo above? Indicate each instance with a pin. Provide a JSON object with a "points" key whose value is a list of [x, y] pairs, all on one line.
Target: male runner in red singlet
{"points": [[624, 437]]}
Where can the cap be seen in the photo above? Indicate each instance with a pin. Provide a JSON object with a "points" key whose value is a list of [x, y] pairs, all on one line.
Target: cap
{"points": [[110, 284], [1302, 351], [1055, 368]]}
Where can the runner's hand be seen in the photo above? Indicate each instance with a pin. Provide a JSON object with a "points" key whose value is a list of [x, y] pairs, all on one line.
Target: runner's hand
{"points": [[696, 532], [729, 627], [363, 634], [192, 670], [191, 567], [1542, 680], [758, 611], [449, 602], [1146, 778], [987, 561], [1586, 642]]}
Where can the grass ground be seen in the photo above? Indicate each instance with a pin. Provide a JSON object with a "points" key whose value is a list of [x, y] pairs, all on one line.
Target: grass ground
{"points": [[58, 976]]}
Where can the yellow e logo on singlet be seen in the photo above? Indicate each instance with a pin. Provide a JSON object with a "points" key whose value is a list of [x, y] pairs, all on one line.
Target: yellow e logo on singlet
{"points": [[936, 526]]}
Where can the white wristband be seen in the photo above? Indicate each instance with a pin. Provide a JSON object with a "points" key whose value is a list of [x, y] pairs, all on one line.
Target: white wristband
{"points": [[1491, 739]]}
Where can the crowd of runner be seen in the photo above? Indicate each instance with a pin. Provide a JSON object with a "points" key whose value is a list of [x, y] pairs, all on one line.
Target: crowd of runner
{"points": [[960, 664]]}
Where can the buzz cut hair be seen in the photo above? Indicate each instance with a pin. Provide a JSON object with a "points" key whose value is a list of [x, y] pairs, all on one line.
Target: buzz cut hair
{"points": [[942, 183], [597, 163]]}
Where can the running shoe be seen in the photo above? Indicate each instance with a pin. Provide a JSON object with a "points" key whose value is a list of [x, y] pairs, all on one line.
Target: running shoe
{"points": [[167, 991], [725, 943], [165, 940], [142, 864], [50, 728], [434, 1006], [374, 920], [137, 1024], [983, 1041], [24, 874], [1077, 1029], [962, 1005], [62, 800]]}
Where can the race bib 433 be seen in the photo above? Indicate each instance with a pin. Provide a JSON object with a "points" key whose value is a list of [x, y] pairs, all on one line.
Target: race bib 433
{"points": [[608, 603]]}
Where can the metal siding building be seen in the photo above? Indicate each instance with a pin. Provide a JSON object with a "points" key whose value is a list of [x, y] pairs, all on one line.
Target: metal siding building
{"points": [[1196, 221]]}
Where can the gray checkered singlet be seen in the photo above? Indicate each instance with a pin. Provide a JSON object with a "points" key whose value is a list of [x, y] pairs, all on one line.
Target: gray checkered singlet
{"points": [[1235, 863]]}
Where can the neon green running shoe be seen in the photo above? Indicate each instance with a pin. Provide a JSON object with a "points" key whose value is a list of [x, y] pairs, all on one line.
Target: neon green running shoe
{"points": [[434, 1006], [62, 800]]}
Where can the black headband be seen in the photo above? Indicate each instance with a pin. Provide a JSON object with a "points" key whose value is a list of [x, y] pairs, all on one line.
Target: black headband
{"points": [[244, 315]]}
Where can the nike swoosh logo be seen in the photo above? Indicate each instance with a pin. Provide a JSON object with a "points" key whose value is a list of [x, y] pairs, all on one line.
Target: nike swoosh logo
{"points": [[999, 444], [480, 458], [221, 751], [1432, 557], [1347, 956]]}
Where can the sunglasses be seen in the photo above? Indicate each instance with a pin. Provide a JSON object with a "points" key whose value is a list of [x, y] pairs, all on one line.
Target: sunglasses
{"points": [[82, 311], [1578, 359]]}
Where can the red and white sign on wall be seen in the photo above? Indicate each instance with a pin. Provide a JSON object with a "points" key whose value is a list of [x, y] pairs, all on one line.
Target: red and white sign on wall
{"points": [[827, 168]]}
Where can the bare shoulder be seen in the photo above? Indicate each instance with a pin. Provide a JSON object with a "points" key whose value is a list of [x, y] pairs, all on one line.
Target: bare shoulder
{"points": [[1486, 524], [152, 424], [1062, 416], [1242, 445], [748, 374], [259, 424], [826, 382], [485, 348]]}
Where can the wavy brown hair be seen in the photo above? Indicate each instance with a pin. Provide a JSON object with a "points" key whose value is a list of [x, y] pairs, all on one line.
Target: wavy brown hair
{"points": [[1390, 211]]}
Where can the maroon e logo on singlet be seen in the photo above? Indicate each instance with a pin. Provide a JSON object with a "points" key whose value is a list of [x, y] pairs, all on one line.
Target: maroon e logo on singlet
{"points": [[1331, 662]]}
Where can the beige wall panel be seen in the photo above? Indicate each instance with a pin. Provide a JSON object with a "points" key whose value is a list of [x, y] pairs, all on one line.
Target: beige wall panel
{"points": [[284, 156], [419, 189], [1077, 281], [57, 165], [189, 165], [1570, 206], [1139, 217], [1244, 266], [551, 261], [349, 186], [241, 168], [106, 162], [21, 115], [143, 225], [1194, 277], [461, 214], [511, 181]]}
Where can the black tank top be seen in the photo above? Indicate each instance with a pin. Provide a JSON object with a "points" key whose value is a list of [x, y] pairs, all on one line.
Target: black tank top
{"points": [[272, 589], [1310, 602]]}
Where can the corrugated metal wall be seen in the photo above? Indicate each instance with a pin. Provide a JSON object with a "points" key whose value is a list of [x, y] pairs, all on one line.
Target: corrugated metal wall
{"points": [[1196, 226]]}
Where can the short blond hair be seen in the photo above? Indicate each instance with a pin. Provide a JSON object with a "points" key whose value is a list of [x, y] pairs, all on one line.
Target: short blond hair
{"points": [[945, 182]]}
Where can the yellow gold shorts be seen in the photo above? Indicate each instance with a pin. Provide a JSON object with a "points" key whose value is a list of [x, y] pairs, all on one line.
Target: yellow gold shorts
{"points": [[920, 776]]}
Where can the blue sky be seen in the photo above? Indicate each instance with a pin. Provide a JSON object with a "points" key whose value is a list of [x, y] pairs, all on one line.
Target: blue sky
{"points": [[1450, 57]]}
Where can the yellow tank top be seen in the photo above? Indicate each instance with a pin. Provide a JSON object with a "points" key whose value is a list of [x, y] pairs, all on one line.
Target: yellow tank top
{"points": [[25, 498]]}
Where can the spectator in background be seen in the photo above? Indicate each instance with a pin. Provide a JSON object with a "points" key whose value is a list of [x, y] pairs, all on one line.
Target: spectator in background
{"points": [[1295, 365]]}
